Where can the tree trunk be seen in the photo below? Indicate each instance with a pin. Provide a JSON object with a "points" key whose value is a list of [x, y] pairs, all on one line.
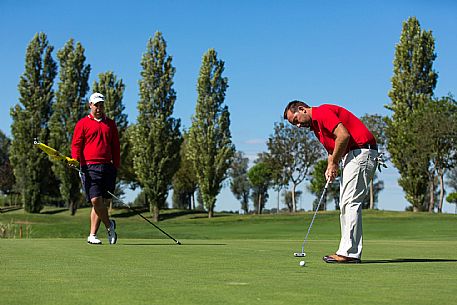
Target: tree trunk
{"points": [[431, 204], [294, 205], [259, 210], [73, 207], [192, 200], [210, 211], [440, 204], [371, 195], [156, 213], [277, 208]]}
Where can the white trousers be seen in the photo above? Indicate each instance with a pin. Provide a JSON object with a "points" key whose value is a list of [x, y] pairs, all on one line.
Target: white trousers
{"points": [[359, 167]]}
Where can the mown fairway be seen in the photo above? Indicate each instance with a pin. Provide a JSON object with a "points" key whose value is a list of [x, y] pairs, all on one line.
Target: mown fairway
{"points": [[408, 259]]}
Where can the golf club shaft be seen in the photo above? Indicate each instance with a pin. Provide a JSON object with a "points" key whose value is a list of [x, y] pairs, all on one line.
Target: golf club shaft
{"points": [[139, 214], [314, 216]]}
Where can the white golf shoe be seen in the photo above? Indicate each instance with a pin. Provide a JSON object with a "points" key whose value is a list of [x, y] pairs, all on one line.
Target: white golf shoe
{"points": [[93, 240], [112, 236]]}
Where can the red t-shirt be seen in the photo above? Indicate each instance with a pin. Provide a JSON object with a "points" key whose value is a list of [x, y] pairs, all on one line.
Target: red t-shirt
{"points": [[96, 142], [326, 117]]}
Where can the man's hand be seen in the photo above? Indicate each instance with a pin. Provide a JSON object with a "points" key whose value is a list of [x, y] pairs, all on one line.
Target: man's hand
{"points": [[332, 171]]}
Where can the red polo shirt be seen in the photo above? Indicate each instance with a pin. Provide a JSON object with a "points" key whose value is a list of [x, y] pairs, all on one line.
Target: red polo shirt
{"points": [[96, 142], [326, 117]]}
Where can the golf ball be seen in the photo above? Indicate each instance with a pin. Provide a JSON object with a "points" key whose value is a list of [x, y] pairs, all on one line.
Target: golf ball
{"points": [[302, 263]]}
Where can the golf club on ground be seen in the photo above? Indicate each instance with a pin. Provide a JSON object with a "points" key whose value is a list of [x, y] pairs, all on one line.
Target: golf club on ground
{"points": [[302, 253], [139, 214]]}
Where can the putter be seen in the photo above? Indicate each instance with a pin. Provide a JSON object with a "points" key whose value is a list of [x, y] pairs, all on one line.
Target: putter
{"points": [[139, 214], [302, 253]]}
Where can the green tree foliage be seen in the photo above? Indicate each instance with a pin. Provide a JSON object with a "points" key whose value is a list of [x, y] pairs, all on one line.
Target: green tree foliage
{"points": [[113, 91], [260, 178], [30, 120], [210, 145], [67, 111], [292, 153], [156, 138], [452, 198], [439, 143], [6, 171], [184, 181], [413, 83], [377, 125], [239, 184], [317, 184], [287, 198]]}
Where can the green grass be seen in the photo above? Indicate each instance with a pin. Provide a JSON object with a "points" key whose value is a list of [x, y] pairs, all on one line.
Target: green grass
{"points": [[408, 259]]}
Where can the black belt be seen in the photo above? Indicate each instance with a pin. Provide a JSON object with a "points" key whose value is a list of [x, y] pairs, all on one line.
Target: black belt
{"points": [[365, 146]]}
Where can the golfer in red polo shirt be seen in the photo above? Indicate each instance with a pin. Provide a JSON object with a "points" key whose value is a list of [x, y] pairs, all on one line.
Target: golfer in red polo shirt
{"points": [[96, 146], [348, 140]]}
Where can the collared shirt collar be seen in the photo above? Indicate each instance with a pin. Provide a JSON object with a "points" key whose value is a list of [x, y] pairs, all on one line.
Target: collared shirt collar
{"points": [[90, 116]]}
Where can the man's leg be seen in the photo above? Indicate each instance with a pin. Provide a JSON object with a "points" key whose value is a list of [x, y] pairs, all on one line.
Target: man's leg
{"points": [[100, 214], [358, 170]]}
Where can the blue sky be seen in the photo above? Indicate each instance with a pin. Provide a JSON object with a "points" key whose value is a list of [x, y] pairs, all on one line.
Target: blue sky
{"points": [[337, 52]]}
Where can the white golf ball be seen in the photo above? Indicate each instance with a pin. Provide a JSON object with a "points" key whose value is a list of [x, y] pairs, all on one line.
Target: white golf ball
{"points": [[302, 263]]}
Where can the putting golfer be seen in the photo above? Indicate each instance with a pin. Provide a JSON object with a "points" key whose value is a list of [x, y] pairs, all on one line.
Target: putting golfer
{"points": [[96, 146], [348, 140]]}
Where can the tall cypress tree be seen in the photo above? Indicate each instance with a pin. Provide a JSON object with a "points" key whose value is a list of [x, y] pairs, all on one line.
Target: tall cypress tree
{"points": [[210, 145], [68, 110], [413, 83], [156, 138], [30, 120]]}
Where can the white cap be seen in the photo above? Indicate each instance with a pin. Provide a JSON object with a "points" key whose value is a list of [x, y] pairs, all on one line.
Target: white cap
{"points": [[96, 98]]}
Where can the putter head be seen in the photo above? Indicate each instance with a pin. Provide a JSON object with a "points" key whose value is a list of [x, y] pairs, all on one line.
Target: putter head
{"points": [[178, 242], [299, 254]]}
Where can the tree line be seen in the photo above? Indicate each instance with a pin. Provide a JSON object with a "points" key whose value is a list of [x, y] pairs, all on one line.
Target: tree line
{"points": [[157, 155]]}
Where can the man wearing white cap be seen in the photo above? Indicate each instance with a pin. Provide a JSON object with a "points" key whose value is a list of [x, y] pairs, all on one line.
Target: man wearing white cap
{"points": [[96, 146]]}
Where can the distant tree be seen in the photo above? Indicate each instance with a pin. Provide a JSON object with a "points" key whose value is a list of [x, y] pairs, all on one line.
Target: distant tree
{"points": [[239, 184], [317, 184], [439, 142], [287, 197], [377, 125], [113, 91], [413, 83], [294, 151], [67, 111], [6, 171], [156, 138], [210, 145], [30, 120], [184, 180], [260, 178], [452, 198]]}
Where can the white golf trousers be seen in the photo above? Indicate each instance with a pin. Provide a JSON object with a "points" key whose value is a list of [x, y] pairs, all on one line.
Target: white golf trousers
{"points": [[359, 166]]}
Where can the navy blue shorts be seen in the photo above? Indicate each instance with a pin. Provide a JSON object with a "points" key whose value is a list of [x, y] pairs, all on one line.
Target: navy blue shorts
{"points": [[98, 179]]}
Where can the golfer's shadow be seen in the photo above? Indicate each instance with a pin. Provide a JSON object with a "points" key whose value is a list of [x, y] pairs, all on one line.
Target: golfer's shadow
{"points": [[409, 260]]}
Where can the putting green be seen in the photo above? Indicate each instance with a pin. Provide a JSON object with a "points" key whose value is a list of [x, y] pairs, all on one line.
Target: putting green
{"points": [[223, 271]]}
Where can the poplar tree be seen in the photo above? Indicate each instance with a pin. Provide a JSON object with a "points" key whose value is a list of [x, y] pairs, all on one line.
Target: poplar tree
{"points": [[67, 111], [6, 171], [184, 180], [30, 120], [210, 145], [156, 138], [413, 83]]}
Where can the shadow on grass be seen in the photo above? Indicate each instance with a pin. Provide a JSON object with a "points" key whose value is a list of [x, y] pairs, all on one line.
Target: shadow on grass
{"points": [[157, 244], [409, 260], [55, 211]]}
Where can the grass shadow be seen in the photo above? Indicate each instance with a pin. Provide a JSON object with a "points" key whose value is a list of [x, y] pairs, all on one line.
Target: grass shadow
{"points": [[157, 244], [409, 260], [55, 211]]}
